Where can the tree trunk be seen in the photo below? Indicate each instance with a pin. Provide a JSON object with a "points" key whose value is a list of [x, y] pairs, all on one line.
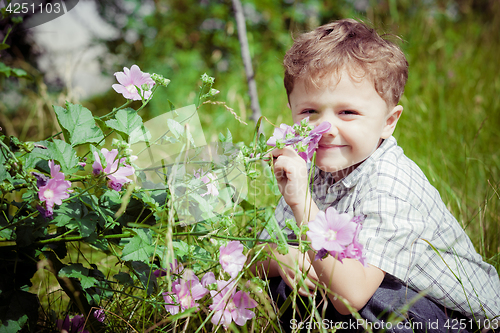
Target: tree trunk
{"points": [[247, 60]]}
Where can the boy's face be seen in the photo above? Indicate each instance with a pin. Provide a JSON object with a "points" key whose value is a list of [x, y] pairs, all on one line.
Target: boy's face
{"points": [[359, 120]]}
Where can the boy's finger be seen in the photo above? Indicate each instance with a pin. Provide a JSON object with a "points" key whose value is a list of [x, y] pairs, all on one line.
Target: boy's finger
{"points": [[286, 151], [276, 153], [304, 292]]}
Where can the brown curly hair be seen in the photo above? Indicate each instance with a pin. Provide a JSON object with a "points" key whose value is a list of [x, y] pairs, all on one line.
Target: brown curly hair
{"points": [[352, 46]]}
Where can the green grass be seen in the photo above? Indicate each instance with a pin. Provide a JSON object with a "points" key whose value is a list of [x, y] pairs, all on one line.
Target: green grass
{"points": [[449, 126]]}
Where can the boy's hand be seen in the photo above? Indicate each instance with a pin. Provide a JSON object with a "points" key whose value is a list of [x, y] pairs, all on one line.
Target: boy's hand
{"points": [[287, 270], [291, 173]]}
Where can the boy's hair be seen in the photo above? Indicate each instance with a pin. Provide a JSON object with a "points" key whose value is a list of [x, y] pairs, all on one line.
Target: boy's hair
{"points": [[350, 45]]}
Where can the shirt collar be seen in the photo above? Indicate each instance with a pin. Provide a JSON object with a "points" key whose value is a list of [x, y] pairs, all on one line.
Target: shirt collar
{"points": [[353, 178]]}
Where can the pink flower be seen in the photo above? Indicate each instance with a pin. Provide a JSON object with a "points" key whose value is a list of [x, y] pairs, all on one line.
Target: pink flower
{"points": [[131, 81], [300, 137], [210, 180], [185, 292], [331, 231], [231, 258], [100, 315], [55, 172], [116, 171], [282, 133], [54, 190], [175, 268], [355, 249], [229, 305], [73, 325], [208, 278], [338, 255], [312, 140], [336, 234]]}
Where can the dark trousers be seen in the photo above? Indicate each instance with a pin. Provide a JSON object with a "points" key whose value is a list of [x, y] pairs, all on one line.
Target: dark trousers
{"points": [[393, 308]]}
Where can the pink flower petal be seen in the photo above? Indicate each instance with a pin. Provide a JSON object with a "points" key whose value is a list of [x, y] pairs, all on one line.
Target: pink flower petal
{"points": [[208, 278], [136, 75], [231, 258], [122, 78], [242, 316]]}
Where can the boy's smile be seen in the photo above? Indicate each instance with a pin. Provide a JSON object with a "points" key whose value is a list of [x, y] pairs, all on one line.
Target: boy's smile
{"points": [[359, 120]]}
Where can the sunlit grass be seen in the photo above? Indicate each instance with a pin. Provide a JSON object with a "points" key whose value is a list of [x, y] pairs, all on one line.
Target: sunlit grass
{"points": [[449, 127]]}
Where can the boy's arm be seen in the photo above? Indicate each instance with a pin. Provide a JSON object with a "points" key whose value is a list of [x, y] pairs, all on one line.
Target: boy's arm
{"points": [[287, 266], [349, 279]]}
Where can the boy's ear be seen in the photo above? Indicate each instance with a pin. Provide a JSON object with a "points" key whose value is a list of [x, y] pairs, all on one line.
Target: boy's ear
{"points": [[391, 121], [288, 104]]}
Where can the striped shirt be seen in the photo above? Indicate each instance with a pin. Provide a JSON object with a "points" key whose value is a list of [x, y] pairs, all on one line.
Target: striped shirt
{"points": [[408, 232]]}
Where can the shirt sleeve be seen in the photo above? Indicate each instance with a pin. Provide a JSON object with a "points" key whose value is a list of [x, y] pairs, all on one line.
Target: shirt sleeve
{"points": [[391, 233], [403, 241]]}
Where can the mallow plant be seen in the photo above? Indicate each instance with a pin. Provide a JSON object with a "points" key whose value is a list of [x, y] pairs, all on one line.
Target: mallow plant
{"points": [[172, 210]]}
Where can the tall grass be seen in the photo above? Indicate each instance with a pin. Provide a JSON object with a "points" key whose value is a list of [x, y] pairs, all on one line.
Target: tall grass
{"points": [[451, 116], [449, 127], [450, 123]]}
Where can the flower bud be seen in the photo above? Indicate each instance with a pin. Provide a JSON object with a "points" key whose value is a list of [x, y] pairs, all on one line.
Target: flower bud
{"points": [[29, 146], [6, 187], [160, 79], [207, 79]]}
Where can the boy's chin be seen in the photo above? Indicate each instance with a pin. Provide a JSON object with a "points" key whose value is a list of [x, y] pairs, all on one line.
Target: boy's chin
{"points": [[339, 171]]}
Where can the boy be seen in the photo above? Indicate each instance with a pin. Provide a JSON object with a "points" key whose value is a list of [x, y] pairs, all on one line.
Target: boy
{"points": [[348, 75]]}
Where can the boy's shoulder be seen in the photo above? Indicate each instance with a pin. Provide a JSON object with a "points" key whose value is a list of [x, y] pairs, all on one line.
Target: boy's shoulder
{"points": [[389, 175], [389, 169]]}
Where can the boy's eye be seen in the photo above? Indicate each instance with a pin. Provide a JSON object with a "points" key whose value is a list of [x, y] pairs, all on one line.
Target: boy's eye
{"points": [[308, 111], [348, 112]]}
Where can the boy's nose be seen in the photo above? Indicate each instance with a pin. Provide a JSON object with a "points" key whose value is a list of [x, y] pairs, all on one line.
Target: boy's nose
{"points": [[333, 131]]}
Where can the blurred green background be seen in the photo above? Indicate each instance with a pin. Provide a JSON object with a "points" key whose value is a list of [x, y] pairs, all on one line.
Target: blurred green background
{"points": [[451, 116]]}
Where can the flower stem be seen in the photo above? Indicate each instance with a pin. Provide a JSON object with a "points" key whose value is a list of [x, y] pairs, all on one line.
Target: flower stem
{"points": [[115, 110]]}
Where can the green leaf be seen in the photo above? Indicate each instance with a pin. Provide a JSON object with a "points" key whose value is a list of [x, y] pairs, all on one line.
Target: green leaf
{"points": [[140, 247], [179, 132], [61, 220], [181, 248], [63, 153], [3, 173], [290, 223], [274, 230], [203, 204], [66, 212], [19, 72], [73, 215], [87, 224], [12, 326], [229, 136], [125, 122], [139, 134], [175, 128], [77, 271], [4, 69], [78, 124], [145, 275], [18, 309], [124, 278], [171, 105]]}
